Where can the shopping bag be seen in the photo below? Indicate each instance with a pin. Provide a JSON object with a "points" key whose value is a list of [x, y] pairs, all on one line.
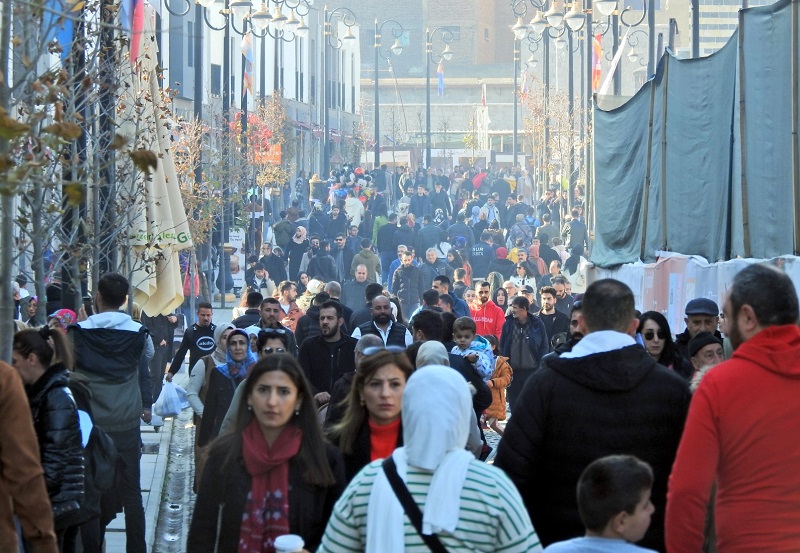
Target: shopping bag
{"points": [[183, 397], [168, 403]]}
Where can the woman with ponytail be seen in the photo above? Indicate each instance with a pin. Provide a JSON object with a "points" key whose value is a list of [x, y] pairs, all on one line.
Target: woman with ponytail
{"points": [[42, 358]]}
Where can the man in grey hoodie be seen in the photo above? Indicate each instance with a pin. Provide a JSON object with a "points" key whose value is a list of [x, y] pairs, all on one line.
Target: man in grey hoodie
{"points": [[109, 361]]}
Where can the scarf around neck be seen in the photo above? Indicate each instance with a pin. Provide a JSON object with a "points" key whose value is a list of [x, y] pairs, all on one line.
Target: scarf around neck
{"points": [[266, 513], [229, 364]]}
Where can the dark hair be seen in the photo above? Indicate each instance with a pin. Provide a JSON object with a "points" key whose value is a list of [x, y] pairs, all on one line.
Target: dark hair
{"points": [[35, 341], [263, 336], [458, 261], [312, 456], [465, 323], [500, 291], [113, 288], [346, 431], [320, 298], [430, 297], [331, 304], [253, 259], [670, 354], [412, 351], [442, 279], [372, 291], [323, 244], [609, 486], [548, 290], [448, 318], [521, 301], [271, 301], [460, 273], [492, 339], [259, 267], [608, 305], [446, 298], [484, 283], [366, 243], [428, 322], [254, 299], [486, 236], [202, 305], [769, 291]]}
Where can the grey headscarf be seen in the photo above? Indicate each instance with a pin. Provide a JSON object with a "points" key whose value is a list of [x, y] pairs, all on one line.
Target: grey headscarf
{"points": [[432, 353]]}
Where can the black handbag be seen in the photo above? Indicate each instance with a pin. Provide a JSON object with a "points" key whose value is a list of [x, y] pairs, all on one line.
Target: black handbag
{"points": [[410, 506]]}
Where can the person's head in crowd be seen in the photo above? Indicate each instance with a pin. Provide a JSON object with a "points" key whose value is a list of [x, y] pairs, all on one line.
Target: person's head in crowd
{"points": [[614, 498], [427, 325], [492, 339], [260, 271], [372, 291], [271, 312], [353, 231], [448, 319], [430, 298], [430, 255], [486, 237], [705, 351], [483, 290], [330, 319], [381, 310], [432, 353], [401, 249], [407, 259], [446, 303], [657, 336], [527, 293], [555, 267], [464, 331], [522, 270], [375, 395], [608, 304], [519, 307], [501, 253], [340, 241], [333, 289], [459, 275], [366, 244], [560, 286], [35, 351], [314, 242], [470, 296], [522, 255], [112, 292], [33, 306], [574, 331], [511, 289], [702, 315], [288, 291], [500, 298], [271, 341], [252, 260], [367, 341], [254, 300], [547, 295], [761, 296], [441, 284]]}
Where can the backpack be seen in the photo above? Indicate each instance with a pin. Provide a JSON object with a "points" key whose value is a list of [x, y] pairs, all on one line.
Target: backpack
{"points": [[100, 454]]}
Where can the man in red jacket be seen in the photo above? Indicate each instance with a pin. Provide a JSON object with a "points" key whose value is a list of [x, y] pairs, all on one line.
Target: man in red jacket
{"points": [[489, 318], [742, 429]]}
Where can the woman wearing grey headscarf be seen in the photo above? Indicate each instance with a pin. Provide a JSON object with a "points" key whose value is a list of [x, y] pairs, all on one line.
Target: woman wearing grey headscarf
{"points": [[468, 505]]}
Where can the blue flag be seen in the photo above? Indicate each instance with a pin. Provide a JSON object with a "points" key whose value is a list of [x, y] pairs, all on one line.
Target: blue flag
{"points": [[440, 72]]}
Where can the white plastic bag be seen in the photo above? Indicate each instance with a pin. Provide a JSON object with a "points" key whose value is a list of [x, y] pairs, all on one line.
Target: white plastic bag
{"points": [[168, 403]]}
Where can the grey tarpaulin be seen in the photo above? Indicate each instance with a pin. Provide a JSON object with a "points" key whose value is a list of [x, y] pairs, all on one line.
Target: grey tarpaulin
{"points": [[696, 103]]}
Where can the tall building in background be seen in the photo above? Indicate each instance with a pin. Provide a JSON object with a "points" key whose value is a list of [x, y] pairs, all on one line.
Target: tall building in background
{"points": [[718, 20]]}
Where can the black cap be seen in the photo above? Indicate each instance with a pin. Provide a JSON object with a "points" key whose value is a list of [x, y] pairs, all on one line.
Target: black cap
{"points": [[702, 340], [527, 289], [702, 306]]}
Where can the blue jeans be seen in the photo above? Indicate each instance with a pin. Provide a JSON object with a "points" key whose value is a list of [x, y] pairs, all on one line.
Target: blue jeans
{"points": [[386, 260]]}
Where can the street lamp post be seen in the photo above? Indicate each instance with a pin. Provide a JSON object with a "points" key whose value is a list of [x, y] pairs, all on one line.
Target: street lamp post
{"points": [[447, 54], [348, 18], [396, 49]]}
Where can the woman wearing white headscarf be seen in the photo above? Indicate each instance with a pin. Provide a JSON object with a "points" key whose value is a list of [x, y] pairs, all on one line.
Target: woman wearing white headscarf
{"points": [[468, 505]]}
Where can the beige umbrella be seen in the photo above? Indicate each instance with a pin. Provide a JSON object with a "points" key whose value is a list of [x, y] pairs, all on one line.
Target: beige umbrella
{"points": [[158, 225]]}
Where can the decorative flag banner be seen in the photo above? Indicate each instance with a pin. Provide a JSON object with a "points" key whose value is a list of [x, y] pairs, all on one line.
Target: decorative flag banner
{"points": [[524, 90], [247, 52], [597, 65], [137, 27], [440, 72], [58, 27], [614, 65], [483, 95]]}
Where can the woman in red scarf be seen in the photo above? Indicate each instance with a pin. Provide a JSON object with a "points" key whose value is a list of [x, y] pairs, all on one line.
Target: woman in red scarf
{"points": [[273, 474], [370, 428]]}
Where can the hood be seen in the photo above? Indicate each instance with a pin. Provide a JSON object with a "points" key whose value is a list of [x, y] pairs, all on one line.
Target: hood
{"points": [[610, 371], [776, 349], [116, 320], [110, 352]]}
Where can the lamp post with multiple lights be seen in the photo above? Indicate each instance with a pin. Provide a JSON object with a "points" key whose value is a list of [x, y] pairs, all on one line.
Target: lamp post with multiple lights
{"points": [[396, 49], [446, 36]]}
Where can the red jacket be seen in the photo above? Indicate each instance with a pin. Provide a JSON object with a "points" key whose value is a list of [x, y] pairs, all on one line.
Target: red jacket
{"points": [[742, 432], [489, 319]]}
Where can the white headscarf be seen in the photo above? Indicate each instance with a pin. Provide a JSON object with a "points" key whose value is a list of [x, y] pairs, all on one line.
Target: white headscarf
{"points": [[438, 448]]}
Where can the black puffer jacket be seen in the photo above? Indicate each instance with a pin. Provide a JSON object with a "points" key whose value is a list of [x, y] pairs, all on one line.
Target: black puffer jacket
{"points": [[575, 410], [55, 418]]}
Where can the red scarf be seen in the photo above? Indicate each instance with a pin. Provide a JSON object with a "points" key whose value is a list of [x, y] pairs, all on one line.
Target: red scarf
{"points": [[266, 514]]}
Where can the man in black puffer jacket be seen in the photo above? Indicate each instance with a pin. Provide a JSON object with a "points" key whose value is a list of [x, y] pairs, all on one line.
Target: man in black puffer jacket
{"points": [[605, 397]]}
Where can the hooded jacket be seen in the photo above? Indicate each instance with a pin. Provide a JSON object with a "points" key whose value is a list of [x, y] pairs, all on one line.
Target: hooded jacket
{"points": [[575, 410], [489, 319], [324, 365], [407, 285], [108, 351], [370, 260], [741, 433]]}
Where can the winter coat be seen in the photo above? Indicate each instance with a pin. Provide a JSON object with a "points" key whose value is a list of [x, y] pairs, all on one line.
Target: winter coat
{"points": [[322, 267], [407, 284], [419, 206], [222, 497], [536, 335], [294, 251], [324, 366], [432, 270], [501, 378], [217, 401], [55, 418], [503, 266], [575, 410], [362, 450], [427, 237], [336, 226], [308, 325], [385, 238], [405, 236]]}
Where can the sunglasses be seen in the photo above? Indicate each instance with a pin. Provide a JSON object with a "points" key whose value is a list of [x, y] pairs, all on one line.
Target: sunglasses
{"points": [[649, 335], [271, 331], [267, 351], [372, 350]]}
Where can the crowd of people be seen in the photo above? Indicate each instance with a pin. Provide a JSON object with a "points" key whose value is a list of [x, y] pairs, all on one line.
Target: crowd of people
{"points": [[366, 363]]}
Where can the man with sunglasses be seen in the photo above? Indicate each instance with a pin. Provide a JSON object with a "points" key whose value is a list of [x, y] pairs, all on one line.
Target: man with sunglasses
{"points": [[327, 357], [604, 397]]}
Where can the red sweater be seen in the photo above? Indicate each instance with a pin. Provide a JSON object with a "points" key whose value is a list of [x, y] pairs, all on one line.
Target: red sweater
{"points": [[383, 439], [489, 319], [743, 430]]}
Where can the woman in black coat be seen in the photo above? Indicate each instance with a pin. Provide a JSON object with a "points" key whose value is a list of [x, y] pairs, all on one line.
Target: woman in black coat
{"points": [[277, 429], [43, 370]]}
